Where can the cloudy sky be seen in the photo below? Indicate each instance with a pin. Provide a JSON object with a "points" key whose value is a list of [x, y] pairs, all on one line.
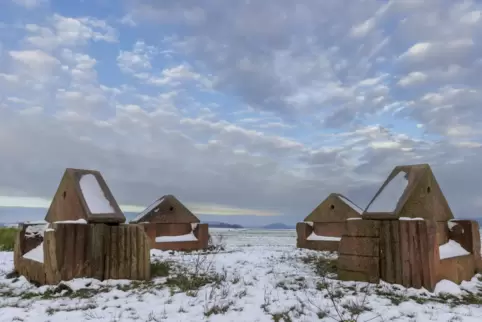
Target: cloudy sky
{"points": [[255, 108]]}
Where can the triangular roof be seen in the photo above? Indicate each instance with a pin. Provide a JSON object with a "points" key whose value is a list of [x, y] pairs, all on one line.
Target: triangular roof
{"points": [[167, 209], [335, 208], [409, 191], [84, 194]]}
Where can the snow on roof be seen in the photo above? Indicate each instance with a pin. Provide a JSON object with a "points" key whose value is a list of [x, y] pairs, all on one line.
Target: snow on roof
{"points": [[37, 222], [94, 196], [148, 209], [36, 254], [351, 204], [178, 238], [78, 221], [388, 198], [452, 249], [36, 230], [314, 236]]}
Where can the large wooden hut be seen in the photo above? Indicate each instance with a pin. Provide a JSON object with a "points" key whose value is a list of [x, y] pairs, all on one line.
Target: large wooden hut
{"points": [[408, 235], [172, 226], [83, 236], [323, 227]]}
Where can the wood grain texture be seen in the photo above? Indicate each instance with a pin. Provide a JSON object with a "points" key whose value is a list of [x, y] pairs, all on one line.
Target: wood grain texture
{"points": [[69, 203], [332, 210], [169, 211]]}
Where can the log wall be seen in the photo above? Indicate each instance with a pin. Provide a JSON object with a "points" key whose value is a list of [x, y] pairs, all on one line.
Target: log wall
{"points": [[406, 252], [80, 250], [303, 230], [358, 258]]}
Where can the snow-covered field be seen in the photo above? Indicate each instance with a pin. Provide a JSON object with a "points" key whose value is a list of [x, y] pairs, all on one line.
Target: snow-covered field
{"points": [[259, 276]]}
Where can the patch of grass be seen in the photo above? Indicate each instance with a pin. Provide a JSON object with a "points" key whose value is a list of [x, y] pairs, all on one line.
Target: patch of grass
{"points": [[323, 266], [218, 309], [52, 311], [354, 308], [160, 269], [394, 297], [7, 238], [284, 316], [466, 298], [186, 282]]}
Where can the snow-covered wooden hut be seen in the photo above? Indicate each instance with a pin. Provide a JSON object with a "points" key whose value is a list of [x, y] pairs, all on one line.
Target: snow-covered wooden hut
{"points": [[323, 227], [409, 236], [83, 236], [172, 226]]}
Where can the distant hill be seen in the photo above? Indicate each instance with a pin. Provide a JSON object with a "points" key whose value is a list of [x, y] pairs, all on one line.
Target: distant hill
{"points": [[278, 226], [223, 225]]}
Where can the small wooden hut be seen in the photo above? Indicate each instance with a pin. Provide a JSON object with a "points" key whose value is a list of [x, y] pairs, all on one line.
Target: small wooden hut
{"points": [[83, 236], [172, 226], [408, 235], [323, 227]]}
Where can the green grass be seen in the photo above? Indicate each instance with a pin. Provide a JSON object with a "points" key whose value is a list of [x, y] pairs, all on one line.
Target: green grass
{"points": [[322, 266], [7, 238]]}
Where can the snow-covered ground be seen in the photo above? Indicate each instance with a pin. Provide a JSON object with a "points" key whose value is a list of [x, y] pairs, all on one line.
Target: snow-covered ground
{"points": [[259, 276]]}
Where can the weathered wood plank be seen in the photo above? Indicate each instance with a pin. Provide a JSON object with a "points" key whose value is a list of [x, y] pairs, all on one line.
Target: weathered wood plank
{"points": [[362, 228], [147, 256], [415, 258], [52, 274], [96, 250], [128, 251], [389, 255], [423, 235], [141, 259], [405, 253], [122, 252], [134, 252], [359, 264], [113, 254], [60, 248], [107, 250], [397, 256], [69, 255], [80, 249], [383, 253], [361, 246]]}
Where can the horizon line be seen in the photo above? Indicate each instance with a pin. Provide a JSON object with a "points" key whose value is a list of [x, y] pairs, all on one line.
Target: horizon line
{"points": [[196, 208]]}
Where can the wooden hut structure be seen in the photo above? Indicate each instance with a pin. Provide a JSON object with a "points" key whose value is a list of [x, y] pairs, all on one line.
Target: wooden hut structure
{"points": [[83, 236], [323, 227], [408, 235], [172, 226]]}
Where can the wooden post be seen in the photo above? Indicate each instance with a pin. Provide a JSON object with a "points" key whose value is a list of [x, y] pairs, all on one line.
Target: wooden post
{"points": [[96, 250], [134, 252], [107, 250], [415, 258], [113, 254], [395, 246], [405, 253]]}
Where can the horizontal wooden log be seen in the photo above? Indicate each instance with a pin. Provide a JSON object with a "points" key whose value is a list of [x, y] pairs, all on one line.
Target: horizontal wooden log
{"points": [[359, 264], [360, 246], [362, 228], [345, 275]]}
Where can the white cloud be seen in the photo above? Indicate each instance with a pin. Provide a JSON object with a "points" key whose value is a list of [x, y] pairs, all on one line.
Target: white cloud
{"points": [[36, 59], [241, 108], [30, 4], [413, 78], [363, 28], [67, 31]]}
